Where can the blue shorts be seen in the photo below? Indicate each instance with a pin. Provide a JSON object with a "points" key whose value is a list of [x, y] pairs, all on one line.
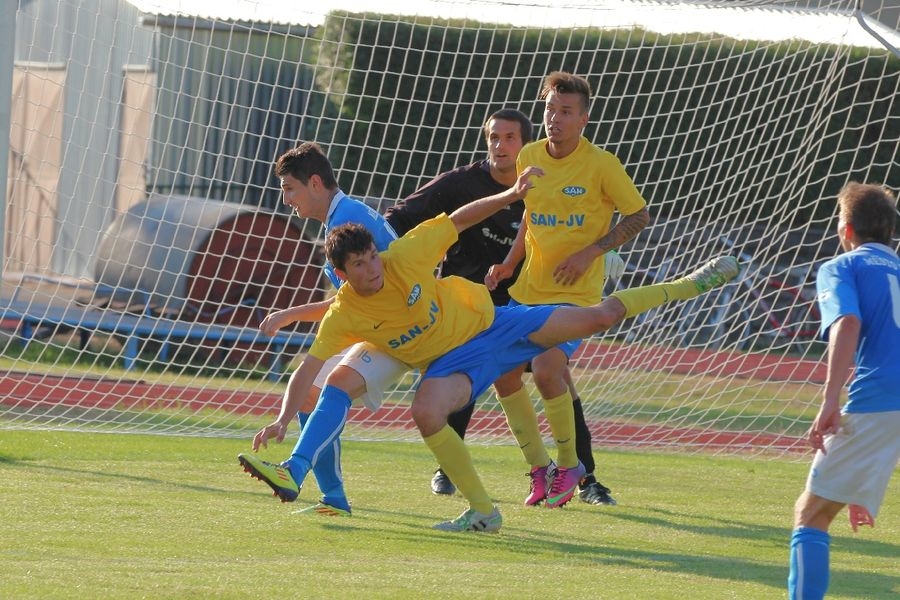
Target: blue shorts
{"points": [[497, 350], [569, 347]]}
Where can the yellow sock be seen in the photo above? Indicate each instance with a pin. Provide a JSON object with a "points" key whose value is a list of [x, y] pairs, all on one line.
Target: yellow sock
{"points": [[561, 415], [641, 299], [456, 462], [522, 421]]}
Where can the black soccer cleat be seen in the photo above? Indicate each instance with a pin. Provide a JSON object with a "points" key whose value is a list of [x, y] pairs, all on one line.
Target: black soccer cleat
{"points": [[596, 493], [441, 484]]}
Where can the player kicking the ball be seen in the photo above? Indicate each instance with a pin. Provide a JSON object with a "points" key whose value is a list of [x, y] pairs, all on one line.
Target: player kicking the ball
{"points": [[450, 329]]}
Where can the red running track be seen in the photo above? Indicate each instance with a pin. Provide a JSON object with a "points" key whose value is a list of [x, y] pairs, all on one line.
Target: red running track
{"points": [[25, 390]]}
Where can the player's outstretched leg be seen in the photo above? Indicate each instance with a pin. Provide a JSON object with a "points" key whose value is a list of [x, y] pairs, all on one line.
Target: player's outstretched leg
{"points": [[711, 275], [715, 273], [577, 322]]}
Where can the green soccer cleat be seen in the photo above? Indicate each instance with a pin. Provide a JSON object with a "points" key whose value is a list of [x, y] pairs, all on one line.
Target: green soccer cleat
{"points": [[715, 273], [472, 520], [326, 510], [275, 476]]}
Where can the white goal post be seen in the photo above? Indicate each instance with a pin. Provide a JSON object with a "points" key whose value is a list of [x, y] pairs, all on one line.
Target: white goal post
{"points": [[144, 238]]}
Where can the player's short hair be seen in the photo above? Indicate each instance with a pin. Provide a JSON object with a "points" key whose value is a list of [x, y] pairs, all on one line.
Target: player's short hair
{"points": [[511, 114], [344, 240], [303, 162], [870, 209], [567, 83]]}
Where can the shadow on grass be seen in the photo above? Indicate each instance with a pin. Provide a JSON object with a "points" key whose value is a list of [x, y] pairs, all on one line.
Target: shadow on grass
{"points": [[534, 543], [413, 526], [734, 529], [8, 461]]}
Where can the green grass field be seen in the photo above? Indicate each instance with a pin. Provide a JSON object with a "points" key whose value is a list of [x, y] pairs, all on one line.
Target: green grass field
{"points": [[117, 516]]}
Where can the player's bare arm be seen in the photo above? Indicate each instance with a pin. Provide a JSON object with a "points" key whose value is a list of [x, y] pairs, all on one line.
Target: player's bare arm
{"points": [[572, 268], [290, 403], [308, 313], [505, 270], [475, 212], [842, 340], [628, 228]]}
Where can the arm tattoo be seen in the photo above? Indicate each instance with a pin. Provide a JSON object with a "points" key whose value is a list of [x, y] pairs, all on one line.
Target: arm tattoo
{"points": [[625, 230]]}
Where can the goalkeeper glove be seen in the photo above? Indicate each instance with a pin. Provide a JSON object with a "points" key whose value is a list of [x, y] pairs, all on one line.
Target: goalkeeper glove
{"points": [[615, 266]]}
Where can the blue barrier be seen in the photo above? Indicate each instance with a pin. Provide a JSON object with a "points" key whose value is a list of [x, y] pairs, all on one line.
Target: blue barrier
{"points": [[90, 320]]}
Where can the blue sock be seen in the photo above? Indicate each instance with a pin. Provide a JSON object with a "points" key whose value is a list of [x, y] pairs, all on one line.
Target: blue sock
{"points": [[319, 446], [329, 476], [808, 579], [327, 470]]}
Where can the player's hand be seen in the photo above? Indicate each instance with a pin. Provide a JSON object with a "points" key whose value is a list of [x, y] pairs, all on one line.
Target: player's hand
{"points": [[524, 182], [827, 422], [496, 274], [859, 516], [570, 270], [275, 430], [273, 322]]}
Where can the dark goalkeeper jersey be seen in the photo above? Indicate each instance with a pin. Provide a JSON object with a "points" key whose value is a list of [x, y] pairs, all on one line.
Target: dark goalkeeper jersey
{"points": [[479, 246]]}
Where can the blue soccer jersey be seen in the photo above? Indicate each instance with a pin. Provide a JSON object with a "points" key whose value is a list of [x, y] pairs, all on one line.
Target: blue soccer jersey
{"points": [[865, 282], [345, 209]]}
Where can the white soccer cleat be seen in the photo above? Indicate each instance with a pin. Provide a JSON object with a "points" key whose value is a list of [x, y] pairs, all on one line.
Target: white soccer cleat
{"points": [[715, 273], [472, 520]]}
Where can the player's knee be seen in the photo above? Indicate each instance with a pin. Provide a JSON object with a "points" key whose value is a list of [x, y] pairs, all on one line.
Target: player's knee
{"points": [[428, 419], [813, 511], [549, 383], [507, 387], [347, 380], [509, 383]]}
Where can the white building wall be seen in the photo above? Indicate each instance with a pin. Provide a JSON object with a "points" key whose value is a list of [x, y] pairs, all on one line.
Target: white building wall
{"points": [[93, 40]]}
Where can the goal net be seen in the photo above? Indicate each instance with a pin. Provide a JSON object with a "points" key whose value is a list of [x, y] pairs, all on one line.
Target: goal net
{"points": [[144, 237]]}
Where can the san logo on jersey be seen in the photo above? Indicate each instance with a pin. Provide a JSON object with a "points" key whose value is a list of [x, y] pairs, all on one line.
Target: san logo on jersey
{"points": [[417, 330], [574, 190], [414, 295]]}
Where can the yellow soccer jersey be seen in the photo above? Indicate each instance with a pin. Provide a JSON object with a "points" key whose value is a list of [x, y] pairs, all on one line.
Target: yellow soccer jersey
{"points": [[415, 317], [568, 209]]}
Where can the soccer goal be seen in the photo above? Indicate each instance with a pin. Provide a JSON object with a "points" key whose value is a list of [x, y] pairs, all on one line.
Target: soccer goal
{"points": [[144, 238]]}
